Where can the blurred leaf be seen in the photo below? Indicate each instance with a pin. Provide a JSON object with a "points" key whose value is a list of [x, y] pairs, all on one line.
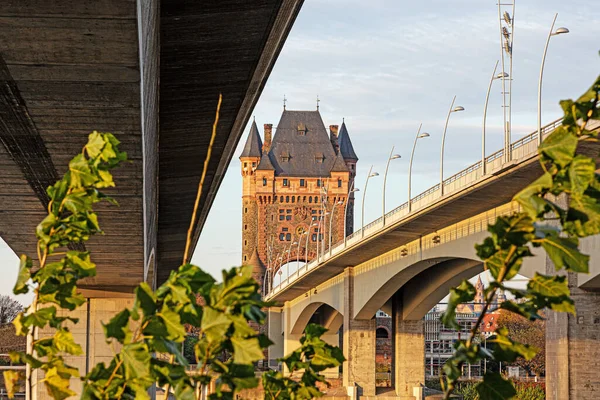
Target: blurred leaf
{"points": [[494, 387], [463, 293], [559, 146], [564, 253], [24, 275]]}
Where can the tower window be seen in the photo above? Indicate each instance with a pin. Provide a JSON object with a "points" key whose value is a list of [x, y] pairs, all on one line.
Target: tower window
{"points": [[245, 258], [245, 226], [281, 217], [310, 199], [253, 164], [288, 217], [245, 210], [284, 229], [318, 183], [339, 183], [314, 237], [245, 165], [288, 237], [281, 199], [282, 237], [293, 199], [302, 182], [264, 181], [285, 182], [287, 199], [245, 243]]}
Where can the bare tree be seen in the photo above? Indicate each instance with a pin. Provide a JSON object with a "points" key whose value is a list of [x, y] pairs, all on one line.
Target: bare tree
{"points": [[9, 309]]}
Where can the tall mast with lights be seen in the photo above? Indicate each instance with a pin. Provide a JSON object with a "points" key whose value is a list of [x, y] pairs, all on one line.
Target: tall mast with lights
{"points": [[506, 21]]}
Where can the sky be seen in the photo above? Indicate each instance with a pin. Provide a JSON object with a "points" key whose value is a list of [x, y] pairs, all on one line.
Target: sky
{"points": [[387, 66]]}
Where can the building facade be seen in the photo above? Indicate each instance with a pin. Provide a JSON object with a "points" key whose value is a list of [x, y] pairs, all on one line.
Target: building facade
{"points": [[297, 192]]}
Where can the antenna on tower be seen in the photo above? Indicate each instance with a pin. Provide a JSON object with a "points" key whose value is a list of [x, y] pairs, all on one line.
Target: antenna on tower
{"points": [[318, 102], [284, 101]]}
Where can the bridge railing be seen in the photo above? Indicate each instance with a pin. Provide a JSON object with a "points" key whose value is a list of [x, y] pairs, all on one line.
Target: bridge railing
{"points": [[521, 148]]}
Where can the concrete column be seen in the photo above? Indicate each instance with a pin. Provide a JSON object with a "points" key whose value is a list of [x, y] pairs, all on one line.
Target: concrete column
{"points": [[89, 334], [275, 326], [291, 341], [358, 344], [409, 351], [572, 351]]}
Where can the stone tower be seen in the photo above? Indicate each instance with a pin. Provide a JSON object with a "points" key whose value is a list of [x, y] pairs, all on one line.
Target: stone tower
{"points": [[296, 185]]}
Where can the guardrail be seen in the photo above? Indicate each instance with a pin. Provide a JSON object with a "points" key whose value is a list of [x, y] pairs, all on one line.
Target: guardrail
{"points": [[394, 216]]}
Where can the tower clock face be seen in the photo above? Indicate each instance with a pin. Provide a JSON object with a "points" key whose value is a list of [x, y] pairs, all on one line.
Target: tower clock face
{"points": [[300, 230]]}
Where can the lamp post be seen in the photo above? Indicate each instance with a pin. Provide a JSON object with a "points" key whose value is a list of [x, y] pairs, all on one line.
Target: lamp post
{"points": [[450, 111], [387, 166], [485, 107], [559, 31], [352, 190], [331, 223], [298, 251], [412, 154], [288, 261], [371, 174], [320, 242], [308, 236]]}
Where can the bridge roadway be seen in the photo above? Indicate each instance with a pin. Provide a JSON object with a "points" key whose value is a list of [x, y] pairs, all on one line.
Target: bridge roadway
{"points": [[466, 194], [406, 263]]}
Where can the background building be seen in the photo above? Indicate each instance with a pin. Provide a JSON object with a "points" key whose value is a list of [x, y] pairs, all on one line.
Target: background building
{"points": [[296, 185]]}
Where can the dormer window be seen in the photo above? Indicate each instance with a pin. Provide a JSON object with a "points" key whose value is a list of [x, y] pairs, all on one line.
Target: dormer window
{"points": [[285, 157], [302, 129], [320, 158]]}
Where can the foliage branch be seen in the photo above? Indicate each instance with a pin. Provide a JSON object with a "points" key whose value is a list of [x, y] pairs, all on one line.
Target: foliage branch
{"points": [[150, 335], [568, 177]]}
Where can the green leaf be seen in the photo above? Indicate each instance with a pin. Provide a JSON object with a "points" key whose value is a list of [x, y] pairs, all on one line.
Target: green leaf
{"points": [[583, 216], [246, 351], [496, 263], [81, 175], [463, 293], [559, 146], [549, 286], [118, 327], [95, 144], [581, 173], [11, 381], [136, 360], [564, 253], [145, 299], [494, 387], [530, 197], [173, 323], [25, 265], [63, 340], [40, 318], [214, 324], [57, 385]]}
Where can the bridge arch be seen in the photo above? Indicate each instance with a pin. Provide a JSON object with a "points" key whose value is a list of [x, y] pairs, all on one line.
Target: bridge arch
{"points": [[424, 278], [321, 313]]}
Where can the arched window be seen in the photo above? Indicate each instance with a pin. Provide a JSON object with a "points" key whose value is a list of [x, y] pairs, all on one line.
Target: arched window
{"points": [[293, 199], [310, 199], [287, 199], [281, 199], [382, 333]]}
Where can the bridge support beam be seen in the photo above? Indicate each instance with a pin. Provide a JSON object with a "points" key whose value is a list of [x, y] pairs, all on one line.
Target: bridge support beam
{"points": [[358, 344], [275, 326], [89, 334], [409, 351], [572, 350]]}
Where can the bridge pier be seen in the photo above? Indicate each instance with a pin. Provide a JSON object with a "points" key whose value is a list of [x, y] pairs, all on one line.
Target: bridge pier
{"points": [[89, 334], [409, 351], [358, 344], [572, 351]]}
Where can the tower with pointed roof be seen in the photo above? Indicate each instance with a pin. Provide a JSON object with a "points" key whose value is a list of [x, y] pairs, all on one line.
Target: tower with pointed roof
{"points": [[294, 182]]}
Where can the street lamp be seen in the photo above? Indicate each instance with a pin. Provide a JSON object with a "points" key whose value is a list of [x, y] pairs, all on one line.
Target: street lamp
{"points": [[351, 191], [452, 109], [288, 261], [306, 248], [559, 31], [485, 107], [331, 223], [390, 158], [370, 175], [298, 251], [412, 154], [320, 242]]}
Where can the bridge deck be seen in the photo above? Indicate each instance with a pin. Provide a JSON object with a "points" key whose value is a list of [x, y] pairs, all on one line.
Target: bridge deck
{"points": [[466, 194]]}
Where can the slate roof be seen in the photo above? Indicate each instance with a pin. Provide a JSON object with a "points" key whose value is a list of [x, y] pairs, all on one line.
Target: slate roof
{"points": [[253, 146], [346, 144], [301, 145], [339, 165]]}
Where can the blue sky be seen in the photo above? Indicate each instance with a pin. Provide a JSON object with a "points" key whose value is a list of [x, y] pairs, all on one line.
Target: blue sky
{"points": [[386, 66]]}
